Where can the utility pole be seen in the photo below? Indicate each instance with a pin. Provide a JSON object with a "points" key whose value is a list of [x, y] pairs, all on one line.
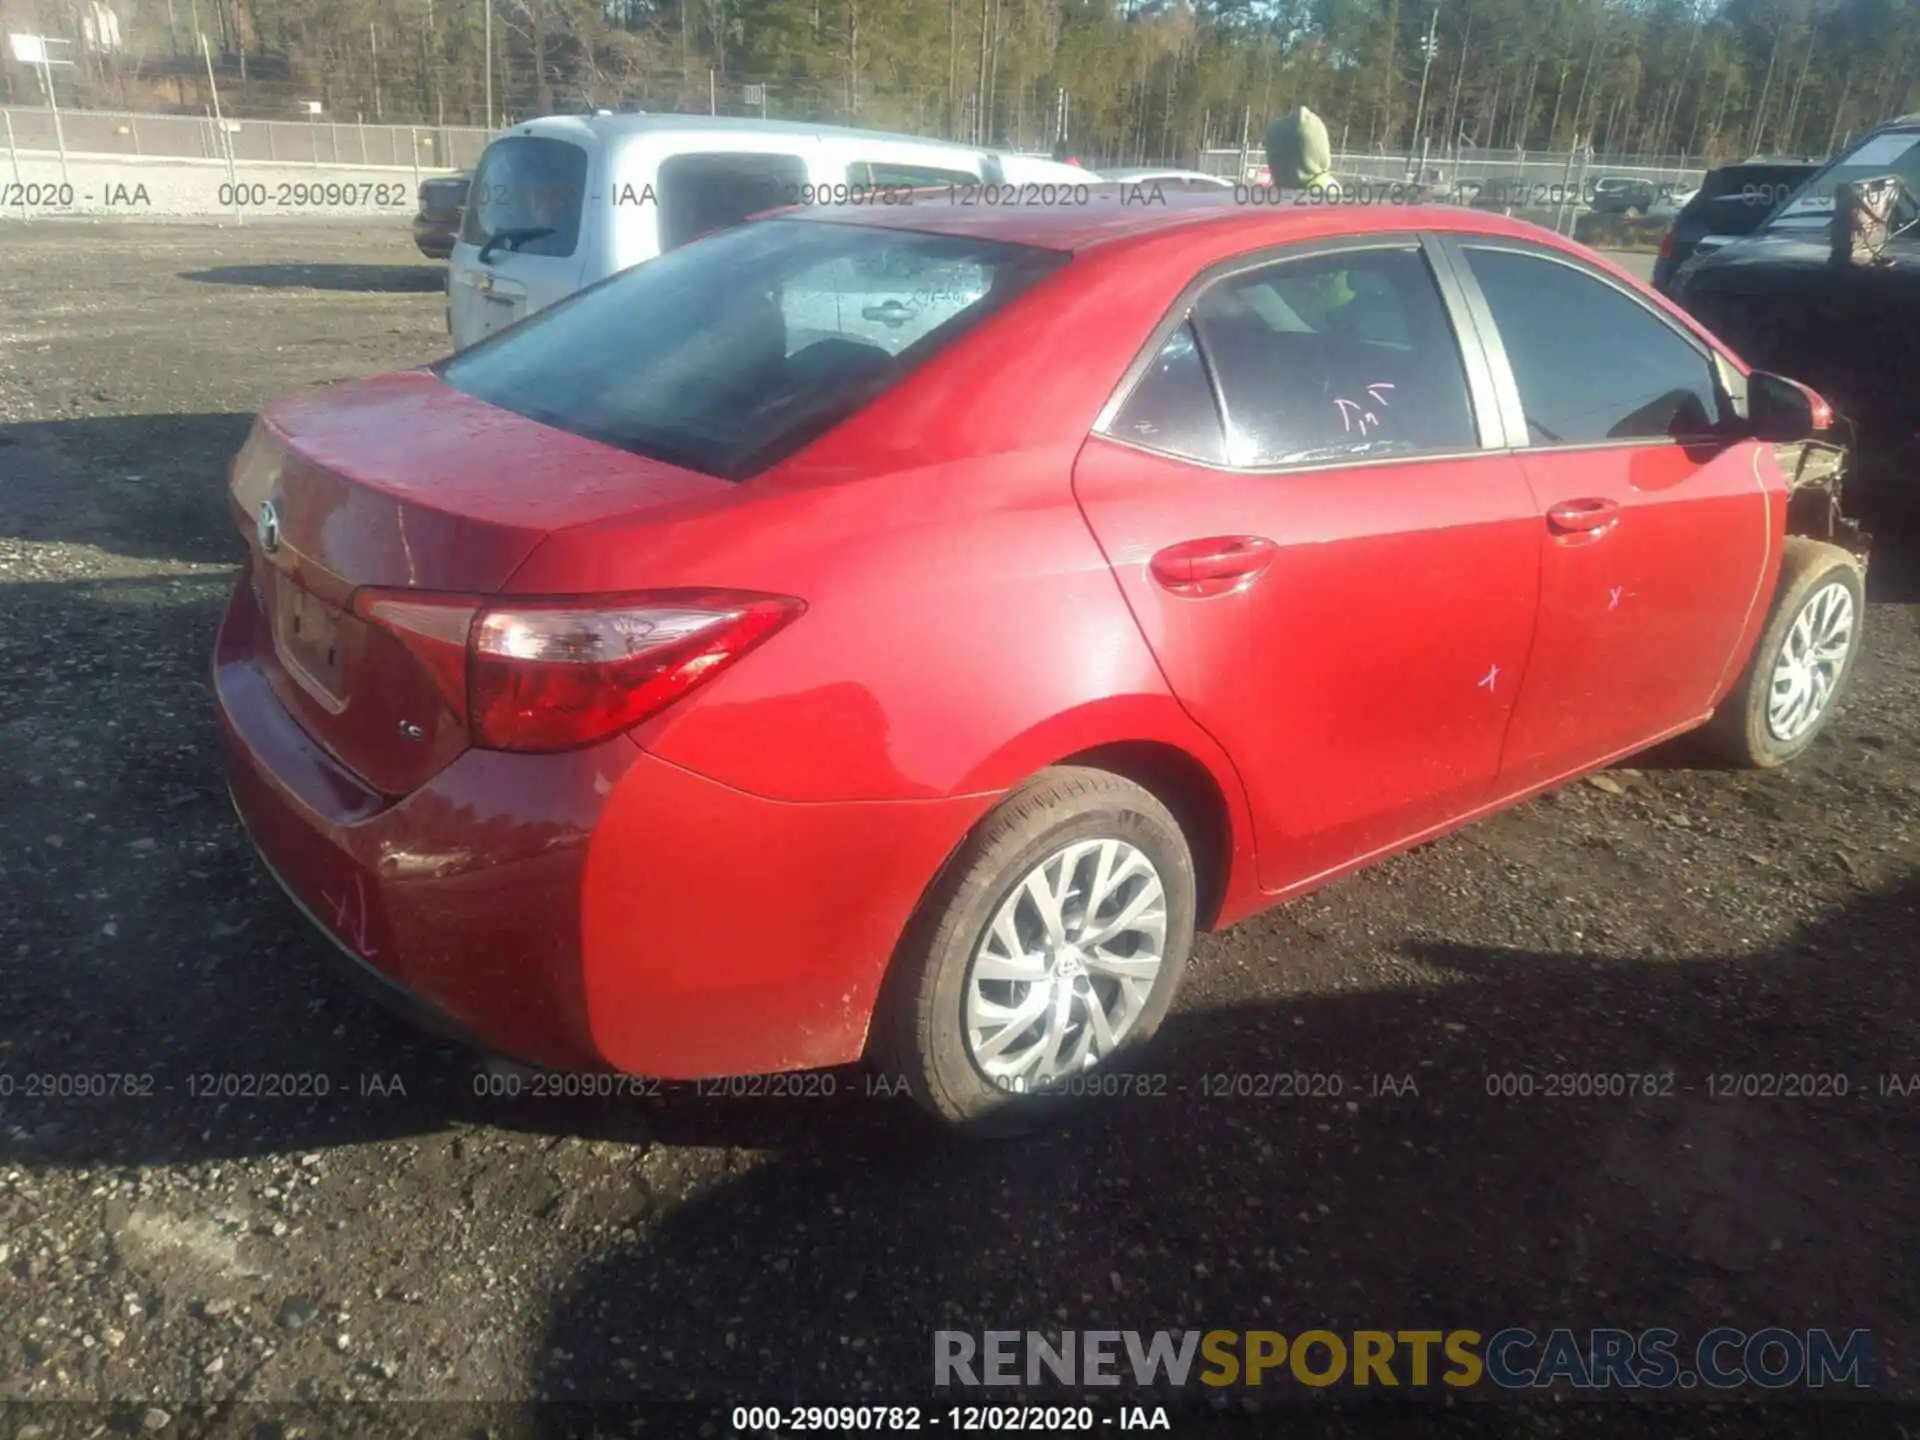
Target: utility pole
{"points": [[489, 48], [1429, 47], [1452, 130], [53, 104]]}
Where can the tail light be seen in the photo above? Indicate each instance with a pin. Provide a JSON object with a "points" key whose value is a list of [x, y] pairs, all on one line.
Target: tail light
{"points": [[555, 674], [1666, 246]]}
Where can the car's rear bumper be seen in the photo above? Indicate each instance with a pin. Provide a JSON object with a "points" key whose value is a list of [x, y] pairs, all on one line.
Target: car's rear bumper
{"points": [[464, 893], [595, 909], [416, 1009]]}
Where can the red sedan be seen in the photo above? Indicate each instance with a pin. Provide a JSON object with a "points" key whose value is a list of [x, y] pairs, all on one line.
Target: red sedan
{"points": [[892, 632]]}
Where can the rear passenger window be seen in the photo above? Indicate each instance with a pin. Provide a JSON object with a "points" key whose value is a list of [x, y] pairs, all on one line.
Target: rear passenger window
{"points": [[699, 194], [1172, 407], [1591, 363], [527, 194], [1334, 358]]}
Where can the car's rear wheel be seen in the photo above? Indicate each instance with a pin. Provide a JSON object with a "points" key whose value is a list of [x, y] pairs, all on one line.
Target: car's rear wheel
{"points": [[1050, 947], [1786, 695]]}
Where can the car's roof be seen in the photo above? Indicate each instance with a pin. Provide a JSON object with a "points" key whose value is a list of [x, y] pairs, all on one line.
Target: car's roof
{"points": [[1107, 216], [1785, 162], [643, 123]]}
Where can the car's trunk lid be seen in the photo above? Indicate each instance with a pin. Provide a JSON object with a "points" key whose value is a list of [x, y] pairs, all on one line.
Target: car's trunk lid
{"points": [[403, 483]]}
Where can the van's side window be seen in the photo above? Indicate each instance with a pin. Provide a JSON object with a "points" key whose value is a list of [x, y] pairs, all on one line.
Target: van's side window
{"points": [[702, 193], [887, 175]]}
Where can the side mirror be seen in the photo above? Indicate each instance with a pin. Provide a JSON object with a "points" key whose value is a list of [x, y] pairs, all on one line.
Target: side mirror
{"points": [[1783, 409]]}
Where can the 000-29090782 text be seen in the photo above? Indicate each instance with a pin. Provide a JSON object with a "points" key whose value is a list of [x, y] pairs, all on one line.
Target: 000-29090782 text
{"points": [[1043, 1419]]}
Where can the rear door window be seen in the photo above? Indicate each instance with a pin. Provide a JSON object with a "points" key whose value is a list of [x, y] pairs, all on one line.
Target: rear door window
{"points": [[702, 193], [527, 194], [1334, 358], [1172, 407]]}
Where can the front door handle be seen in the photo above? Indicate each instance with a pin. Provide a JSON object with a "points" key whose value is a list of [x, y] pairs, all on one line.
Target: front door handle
{"points": [[1216, 565], [1584, 517]]}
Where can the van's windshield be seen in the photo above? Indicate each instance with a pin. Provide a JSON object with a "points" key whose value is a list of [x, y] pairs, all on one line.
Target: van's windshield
{"points": [[527, 196], [734, 351]]}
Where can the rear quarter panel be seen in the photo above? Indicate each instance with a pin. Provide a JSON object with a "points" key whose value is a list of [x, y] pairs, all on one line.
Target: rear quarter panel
{"points": [[962, 630]]}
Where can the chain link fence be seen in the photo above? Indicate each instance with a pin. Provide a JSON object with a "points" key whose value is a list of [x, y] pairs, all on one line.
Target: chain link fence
{"points": [[281, 142], [1531, 169]]}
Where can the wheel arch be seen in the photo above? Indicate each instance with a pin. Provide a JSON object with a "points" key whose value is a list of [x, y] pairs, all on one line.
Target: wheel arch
{"points": [[1152, 741], [1192, 792]]}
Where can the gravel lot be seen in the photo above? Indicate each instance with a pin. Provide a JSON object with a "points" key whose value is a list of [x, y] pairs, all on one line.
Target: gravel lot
{"points": [[404, 1237]]}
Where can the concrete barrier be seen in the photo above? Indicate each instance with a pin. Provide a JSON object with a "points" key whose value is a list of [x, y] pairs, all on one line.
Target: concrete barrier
{"points": [[37, 184]]}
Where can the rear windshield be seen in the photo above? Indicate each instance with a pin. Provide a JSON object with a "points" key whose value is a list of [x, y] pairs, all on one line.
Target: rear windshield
{"points": [[527, 194], [733, 352], [1737, 199], [1767, 184]]}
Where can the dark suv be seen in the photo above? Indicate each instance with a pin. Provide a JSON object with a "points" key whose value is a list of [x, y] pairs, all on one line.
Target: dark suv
{"points": [[1787, 298], [443, 202], [1731, 201]]}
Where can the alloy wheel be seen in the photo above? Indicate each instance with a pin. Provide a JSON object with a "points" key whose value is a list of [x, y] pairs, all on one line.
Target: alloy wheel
{"points": [[1067, 964], [1807, 670]]}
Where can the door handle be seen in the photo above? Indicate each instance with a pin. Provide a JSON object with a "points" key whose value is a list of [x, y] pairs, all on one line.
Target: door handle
{"points": [[1216, 565], [1583, 517]]}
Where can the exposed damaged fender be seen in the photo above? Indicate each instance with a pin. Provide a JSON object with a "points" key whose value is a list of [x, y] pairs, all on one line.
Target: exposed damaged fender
{"points": [[1817, 474]]}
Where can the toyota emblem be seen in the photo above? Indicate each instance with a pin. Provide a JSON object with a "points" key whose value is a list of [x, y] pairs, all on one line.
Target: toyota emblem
{"points": [[268, 527]]}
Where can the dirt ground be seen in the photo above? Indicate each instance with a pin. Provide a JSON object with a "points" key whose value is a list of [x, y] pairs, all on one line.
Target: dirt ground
{"points": [[403, 1236]]}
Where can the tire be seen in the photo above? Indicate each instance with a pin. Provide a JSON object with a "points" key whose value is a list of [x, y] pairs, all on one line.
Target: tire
{"points": [[1746, 728], [923, 1032]]}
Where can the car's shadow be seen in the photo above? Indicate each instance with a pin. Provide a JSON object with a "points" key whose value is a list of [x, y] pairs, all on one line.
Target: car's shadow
{"points": [[1370, 1159], [385, 279]]}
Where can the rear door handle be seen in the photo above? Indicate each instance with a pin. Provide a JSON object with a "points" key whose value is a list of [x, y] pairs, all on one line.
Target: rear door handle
{"points": [[1216, 565], [1583, 517]]}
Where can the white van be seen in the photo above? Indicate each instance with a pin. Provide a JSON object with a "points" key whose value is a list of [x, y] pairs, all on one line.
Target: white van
{"points": [[559, 203]]}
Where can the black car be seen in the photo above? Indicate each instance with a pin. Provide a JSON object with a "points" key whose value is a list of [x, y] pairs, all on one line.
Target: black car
{"points": [[1792, 298], [1731, 201], [443, 202], [1623, 195]]}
